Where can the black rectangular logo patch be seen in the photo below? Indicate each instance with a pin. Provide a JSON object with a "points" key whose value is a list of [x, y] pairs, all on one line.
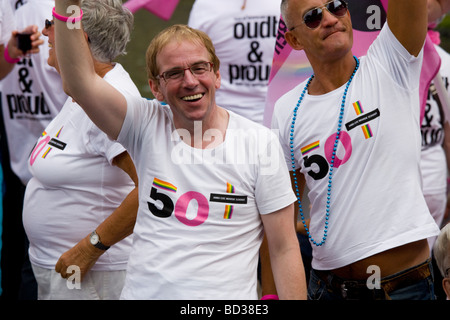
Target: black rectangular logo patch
{"points": [[362, 119], [57, 144], [228, 198]]}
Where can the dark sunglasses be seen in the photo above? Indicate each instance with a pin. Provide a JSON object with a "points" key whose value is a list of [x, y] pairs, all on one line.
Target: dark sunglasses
{"points": [[313, 17], [49, 23]]}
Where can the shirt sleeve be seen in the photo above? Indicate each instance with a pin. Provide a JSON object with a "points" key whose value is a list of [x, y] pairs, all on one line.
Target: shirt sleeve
{"points": [[273, 190], [141, 114], [388, 53], [101, 144], [7, 24]]}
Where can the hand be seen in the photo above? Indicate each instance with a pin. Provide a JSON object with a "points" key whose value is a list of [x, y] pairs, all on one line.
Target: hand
{"points": [[437, 9], [36, 41], [83, 255]]}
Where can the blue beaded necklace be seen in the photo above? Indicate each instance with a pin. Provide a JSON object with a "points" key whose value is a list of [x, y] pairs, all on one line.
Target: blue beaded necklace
{"points": [[330, 174]]}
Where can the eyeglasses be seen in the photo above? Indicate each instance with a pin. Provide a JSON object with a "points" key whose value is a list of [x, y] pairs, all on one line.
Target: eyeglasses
{"points": [[313, 17], [197, 69], [49, 23], [447, 272]]}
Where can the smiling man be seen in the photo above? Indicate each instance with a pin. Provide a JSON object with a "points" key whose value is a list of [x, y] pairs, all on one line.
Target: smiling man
{"points": [[200, 224], [351, 132], [190, 95]]}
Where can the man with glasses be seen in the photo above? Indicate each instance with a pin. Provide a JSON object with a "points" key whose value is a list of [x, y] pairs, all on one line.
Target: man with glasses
{"points": [[351, 132], [206, 181]]}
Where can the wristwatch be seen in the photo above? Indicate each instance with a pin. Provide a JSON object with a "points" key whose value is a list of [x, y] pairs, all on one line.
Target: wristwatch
{"points": [[95, 241]]}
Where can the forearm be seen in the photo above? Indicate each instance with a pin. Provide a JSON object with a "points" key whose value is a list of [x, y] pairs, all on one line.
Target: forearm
{"points": [[268, 286], [289, 273], [74, 57], [115, 228], [5, 66], [267, 282], [121, 222], [285, 257]]}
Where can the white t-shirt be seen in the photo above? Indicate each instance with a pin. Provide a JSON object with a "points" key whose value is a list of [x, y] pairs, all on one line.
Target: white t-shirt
{"points": [[244, 40], [433, 160], [74, 186], [7, 24], [32, 94], [198, 229], [15, 4], [376, 200]]}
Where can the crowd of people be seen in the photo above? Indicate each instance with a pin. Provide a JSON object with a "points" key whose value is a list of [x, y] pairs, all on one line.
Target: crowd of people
{"points": [[111, 195]]}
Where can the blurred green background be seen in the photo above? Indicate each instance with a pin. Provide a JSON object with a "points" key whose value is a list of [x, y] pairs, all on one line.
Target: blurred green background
{"points": [[148, 25], [444, 29]]}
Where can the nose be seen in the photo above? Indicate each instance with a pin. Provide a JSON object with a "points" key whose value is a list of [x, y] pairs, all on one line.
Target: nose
{"points": [[328, 19], [189, 78]]}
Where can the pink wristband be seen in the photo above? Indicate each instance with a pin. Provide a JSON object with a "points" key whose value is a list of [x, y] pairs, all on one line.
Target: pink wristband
{"points": [[270, 297], [65, 19], [8, 58]]}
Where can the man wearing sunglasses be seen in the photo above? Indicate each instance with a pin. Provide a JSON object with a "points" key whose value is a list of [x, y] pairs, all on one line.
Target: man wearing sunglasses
{"points": [[351, 132]]}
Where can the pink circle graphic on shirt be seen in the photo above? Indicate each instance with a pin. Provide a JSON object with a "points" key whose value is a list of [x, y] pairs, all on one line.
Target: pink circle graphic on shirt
{"points": [[346, 142], [37, 150], [182, 205]]}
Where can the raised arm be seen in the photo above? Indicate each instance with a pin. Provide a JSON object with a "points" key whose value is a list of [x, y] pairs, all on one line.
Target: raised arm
{"points": [[408, 20], [103, 104]]}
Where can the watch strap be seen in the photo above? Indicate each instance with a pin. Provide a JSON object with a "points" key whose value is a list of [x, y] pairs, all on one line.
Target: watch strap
{"points": [[99, 244]]}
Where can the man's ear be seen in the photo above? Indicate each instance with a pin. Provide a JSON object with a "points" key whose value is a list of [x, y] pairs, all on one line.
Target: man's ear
{"points": [[218, 80], [293, 40], [446, 286], [154, 87]]}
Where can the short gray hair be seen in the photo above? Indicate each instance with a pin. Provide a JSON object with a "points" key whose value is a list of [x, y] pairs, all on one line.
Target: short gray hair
{"points": [[108, 25], [284, 7], [440, 249]]}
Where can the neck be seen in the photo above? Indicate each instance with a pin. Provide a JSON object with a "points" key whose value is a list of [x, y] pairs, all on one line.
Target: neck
{"points": [[329, 76], [207, 133], [102, 68]]}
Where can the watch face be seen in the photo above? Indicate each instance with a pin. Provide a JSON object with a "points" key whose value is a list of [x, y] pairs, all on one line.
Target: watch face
{"points": [[94, 239]]}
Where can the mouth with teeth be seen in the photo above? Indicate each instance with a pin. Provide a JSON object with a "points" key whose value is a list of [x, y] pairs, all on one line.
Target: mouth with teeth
{"points": [[194, 97]]}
